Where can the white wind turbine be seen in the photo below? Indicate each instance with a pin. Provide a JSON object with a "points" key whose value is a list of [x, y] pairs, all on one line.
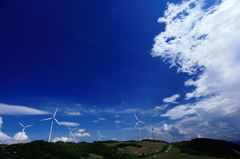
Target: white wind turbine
{"points": [[24, 127], [137, 122], [70, 134], [52, 118], [99, 136], [152, 131]]}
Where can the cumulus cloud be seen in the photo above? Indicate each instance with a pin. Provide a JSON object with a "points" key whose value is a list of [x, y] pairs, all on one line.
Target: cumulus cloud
{"points": [[171, 99], [69, 123], [83, 134], [5, 139], [204, 42], [64, 139], [81, 130], [7, 109]]}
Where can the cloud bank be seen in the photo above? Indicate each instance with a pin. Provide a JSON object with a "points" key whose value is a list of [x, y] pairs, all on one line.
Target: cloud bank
{"points": [[204, 43]]}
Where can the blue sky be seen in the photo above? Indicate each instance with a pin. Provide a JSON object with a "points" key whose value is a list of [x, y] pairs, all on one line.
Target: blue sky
{"points": [[175, 64]]}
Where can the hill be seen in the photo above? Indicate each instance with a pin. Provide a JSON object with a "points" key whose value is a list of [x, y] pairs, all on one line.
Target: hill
{"points": [[147, 149], [209, 147]]}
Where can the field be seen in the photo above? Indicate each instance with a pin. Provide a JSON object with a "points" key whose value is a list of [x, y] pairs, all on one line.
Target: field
{"points": [[140, 148]]}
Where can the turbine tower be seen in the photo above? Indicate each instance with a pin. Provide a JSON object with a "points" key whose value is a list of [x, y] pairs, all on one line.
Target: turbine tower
{"points": [[152, 131], [24, 127], [99, 136], [137, 122], [52, 118], [70, 134], [173, 136]]}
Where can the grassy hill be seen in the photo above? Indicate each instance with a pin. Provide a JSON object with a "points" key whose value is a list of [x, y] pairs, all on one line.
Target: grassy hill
{"points": [[147, 149]]}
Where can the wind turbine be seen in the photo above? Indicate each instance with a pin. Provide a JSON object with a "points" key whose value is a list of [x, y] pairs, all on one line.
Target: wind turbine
{"points": [[52, 118], [152, 131], [100, 136], [70, 134], [137, 122], [173, 136], [24, 127]]}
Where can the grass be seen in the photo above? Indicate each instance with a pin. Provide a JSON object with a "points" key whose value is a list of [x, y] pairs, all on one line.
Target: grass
{"points": [[95, 156], [171, 155]]}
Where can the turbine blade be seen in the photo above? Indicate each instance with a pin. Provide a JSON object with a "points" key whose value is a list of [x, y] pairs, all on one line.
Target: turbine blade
{"points": [[135, 116], [55, 112], [136, 125], [150, 125], [141, 121], [57, 121], [28, 126], [46, 119], [21, 124], [69, 128], [74, 129], [99, 133]]}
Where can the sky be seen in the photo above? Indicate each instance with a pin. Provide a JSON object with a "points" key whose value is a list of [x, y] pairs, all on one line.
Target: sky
{"points": [[175, 64]]}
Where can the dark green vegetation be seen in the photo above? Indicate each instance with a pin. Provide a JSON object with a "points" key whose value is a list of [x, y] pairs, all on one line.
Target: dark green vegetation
{"points": [[209, 147], [61, 150], [147, 149]]}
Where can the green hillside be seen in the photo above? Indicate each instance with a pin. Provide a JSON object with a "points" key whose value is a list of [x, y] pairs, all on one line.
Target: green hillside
{"points": [[146, 149]]}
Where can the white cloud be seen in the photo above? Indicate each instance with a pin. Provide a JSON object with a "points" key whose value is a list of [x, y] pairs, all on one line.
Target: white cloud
{"points": [[204, 43], [179, 111], [83, 134], [7, 109], [81, 130], [69, 123], [101, 119], [161, 107], [5, 139], [165, 127], [73, 113], [171, 99], [95, 121], [64, 139], [1, 122]]}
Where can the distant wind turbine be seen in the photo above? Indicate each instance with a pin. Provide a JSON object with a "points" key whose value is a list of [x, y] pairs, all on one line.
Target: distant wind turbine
{"points": [[24, 127], [99, 136], [152, 131], [70, 134], [137, 122], [52, 118], [173, 136]]}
